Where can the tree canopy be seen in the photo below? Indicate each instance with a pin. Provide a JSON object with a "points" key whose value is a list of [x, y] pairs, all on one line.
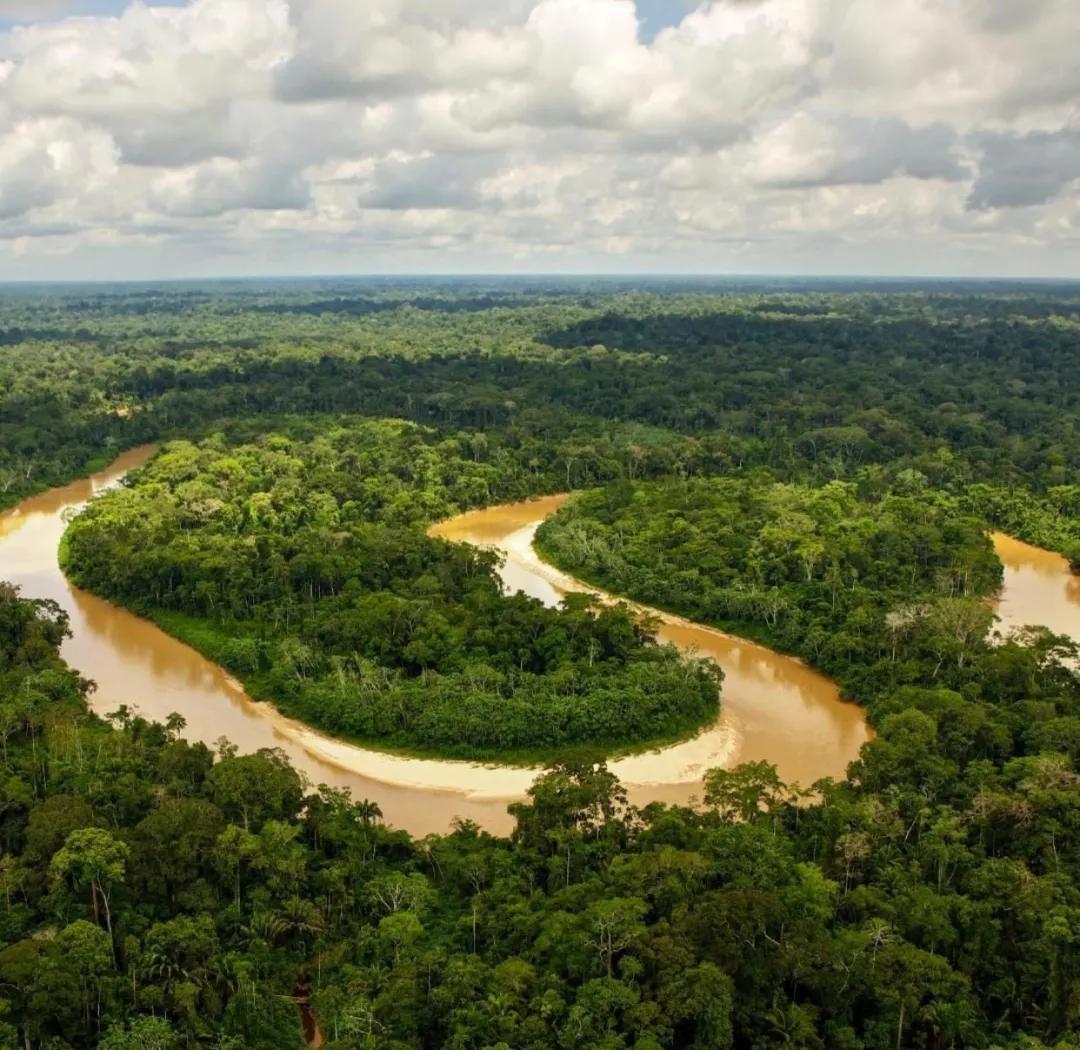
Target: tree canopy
{"points": [[302, 565], [812, 464]]}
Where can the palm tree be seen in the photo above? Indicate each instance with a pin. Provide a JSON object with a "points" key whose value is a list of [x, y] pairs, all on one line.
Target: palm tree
{"points": [[368, 812]]}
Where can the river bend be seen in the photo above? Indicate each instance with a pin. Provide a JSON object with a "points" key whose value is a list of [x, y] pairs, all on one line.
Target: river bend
{"points": [[773, 706]]}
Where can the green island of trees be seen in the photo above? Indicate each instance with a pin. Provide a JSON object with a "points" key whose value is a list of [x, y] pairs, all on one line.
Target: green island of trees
{"points": [[302, 565], [879, 584]]}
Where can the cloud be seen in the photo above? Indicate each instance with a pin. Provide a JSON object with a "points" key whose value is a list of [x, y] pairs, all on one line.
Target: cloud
{"points": [[43, 162], [221, 185], [429, 181], [549, 133], [1025, 170], [808, 150], [162, 80], [383, 48]]}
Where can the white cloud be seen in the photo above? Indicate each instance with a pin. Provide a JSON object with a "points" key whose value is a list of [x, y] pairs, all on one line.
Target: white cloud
{"points": [[394, 47], [48, 161], [163, 81], [811, 149], [221, 185], [477, 134]]}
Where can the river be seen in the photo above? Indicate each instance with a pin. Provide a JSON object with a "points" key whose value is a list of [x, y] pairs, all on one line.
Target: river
{"points": [[773, 707], [1040, 588]]}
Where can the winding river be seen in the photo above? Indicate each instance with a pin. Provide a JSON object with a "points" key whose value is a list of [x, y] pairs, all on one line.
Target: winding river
{"points": [[774, 707]]}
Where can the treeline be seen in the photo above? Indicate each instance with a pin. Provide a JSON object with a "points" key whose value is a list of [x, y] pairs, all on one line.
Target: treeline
{"points": [[156, 898], [879, 583], [960, 386], [1051, 520], [302, 565]]}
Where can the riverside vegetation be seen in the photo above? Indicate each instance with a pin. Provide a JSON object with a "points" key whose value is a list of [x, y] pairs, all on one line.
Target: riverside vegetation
{"points": [[880, 585], [302, 566], [814, 465]]}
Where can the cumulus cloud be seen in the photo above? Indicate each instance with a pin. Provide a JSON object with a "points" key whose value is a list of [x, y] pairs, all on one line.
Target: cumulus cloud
{"points": [[222, 185], [397, 47], [163, 81], [1025, 170], [469, 134], [815, 150], [44, 162]]}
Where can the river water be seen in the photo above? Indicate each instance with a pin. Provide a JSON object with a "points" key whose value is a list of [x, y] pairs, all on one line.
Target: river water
{"points": [[1040, 588], [773, 707]]}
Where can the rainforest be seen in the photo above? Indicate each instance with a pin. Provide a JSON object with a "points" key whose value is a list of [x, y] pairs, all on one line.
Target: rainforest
{"points": [[378, 788]]}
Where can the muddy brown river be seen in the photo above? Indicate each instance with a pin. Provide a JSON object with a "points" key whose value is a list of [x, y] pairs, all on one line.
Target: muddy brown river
{"points": [[773, 706], [1040, 588]]}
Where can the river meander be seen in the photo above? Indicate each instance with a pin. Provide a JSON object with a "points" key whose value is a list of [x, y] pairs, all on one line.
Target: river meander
{"points": [[773, 707]]}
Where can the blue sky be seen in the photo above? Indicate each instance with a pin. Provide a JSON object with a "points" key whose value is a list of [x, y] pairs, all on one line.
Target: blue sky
{"points": [[659, 14]]}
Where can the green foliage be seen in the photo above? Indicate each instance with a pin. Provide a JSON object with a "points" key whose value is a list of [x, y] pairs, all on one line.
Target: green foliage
{"points": [[1049, 520], [155, 896], [879, 590], [930, 899], [302, 566], [145, 1033], [956, 382]]}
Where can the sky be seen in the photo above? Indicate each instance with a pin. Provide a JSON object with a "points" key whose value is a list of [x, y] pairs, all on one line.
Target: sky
{"points": [[278, 137]]}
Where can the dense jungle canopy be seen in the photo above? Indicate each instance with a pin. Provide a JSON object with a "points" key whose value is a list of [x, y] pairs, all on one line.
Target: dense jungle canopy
{"points": [[812, 464]]}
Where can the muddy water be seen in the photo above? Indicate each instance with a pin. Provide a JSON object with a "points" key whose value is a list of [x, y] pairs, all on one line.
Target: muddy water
{"points": [[774, 707], [135, 663], [1039, 588]]}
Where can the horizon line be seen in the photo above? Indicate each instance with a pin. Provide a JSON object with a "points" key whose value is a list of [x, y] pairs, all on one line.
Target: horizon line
{"points": [[547, 275]]}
